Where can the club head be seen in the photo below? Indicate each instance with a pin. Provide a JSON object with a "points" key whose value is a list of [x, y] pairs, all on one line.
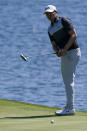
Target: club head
{"points": [[23, 57]]}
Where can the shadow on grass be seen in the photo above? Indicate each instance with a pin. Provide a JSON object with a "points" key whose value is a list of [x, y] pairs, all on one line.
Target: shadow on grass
{"points": [[29, 117]]}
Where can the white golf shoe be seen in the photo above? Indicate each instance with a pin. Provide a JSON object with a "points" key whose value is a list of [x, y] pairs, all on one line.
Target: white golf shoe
{"points": [[65, 111]]}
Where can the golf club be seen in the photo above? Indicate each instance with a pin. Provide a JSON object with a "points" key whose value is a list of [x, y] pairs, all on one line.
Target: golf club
{"points": [[26, 58]]}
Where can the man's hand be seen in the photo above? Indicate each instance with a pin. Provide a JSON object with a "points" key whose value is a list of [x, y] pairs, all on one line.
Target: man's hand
{"points": [[61, 52]]}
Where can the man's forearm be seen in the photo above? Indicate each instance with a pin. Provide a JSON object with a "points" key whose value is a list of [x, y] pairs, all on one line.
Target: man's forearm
{"points": [[55, 48], [70, 42]]}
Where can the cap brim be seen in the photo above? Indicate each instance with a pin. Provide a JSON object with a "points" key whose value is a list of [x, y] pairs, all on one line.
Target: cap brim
{"points": [[48, 11]]}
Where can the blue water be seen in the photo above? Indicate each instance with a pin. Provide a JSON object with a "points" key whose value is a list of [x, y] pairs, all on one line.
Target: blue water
{"points": [[23, 29]]}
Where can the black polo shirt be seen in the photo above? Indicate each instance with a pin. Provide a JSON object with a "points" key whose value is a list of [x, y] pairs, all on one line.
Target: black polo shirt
{"points": [[58, 32]]}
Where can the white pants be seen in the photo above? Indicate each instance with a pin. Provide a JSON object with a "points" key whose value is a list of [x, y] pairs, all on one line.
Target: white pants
{"points": [[68, 67]]}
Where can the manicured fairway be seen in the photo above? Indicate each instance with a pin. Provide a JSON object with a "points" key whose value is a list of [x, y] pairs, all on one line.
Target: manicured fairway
{"points": [[19, 116]]}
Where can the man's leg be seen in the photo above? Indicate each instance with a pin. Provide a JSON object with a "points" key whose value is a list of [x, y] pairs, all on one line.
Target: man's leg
{"points": [[68, 68]]}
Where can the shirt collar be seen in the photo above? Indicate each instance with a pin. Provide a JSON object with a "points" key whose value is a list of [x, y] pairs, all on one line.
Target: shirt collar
{"points": [[56, 20]]}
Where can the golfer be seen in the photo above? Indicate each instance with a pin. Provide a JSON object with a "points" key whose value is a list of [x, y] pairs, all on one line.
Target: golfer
{"points": [[63, 38]]}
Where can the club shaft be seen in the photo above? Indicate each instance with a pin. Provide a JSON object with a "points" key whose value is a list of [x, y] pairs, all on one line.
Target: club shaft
{"points": [[41, 55], [30, 57]]}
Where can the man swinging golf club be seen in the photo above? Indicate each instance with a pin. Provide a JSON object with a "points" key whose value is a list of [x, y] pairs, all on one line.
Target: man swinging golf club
{"points": [[63, 38]]}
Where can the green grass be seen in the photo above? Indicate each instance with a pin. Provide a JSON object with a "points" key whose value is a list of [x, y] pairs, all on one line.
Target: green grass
{"points": [[19, 116]]}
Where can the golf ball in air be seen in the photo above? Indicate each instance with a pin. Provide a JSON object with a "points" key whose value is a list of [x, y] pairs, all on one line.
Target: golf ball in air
{"points": [[52, 121]]}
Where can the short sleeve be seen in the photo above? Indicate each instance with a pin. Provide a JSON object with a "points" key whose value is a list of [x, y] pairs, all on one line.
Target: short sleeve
{"points": [[67, 24]]}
